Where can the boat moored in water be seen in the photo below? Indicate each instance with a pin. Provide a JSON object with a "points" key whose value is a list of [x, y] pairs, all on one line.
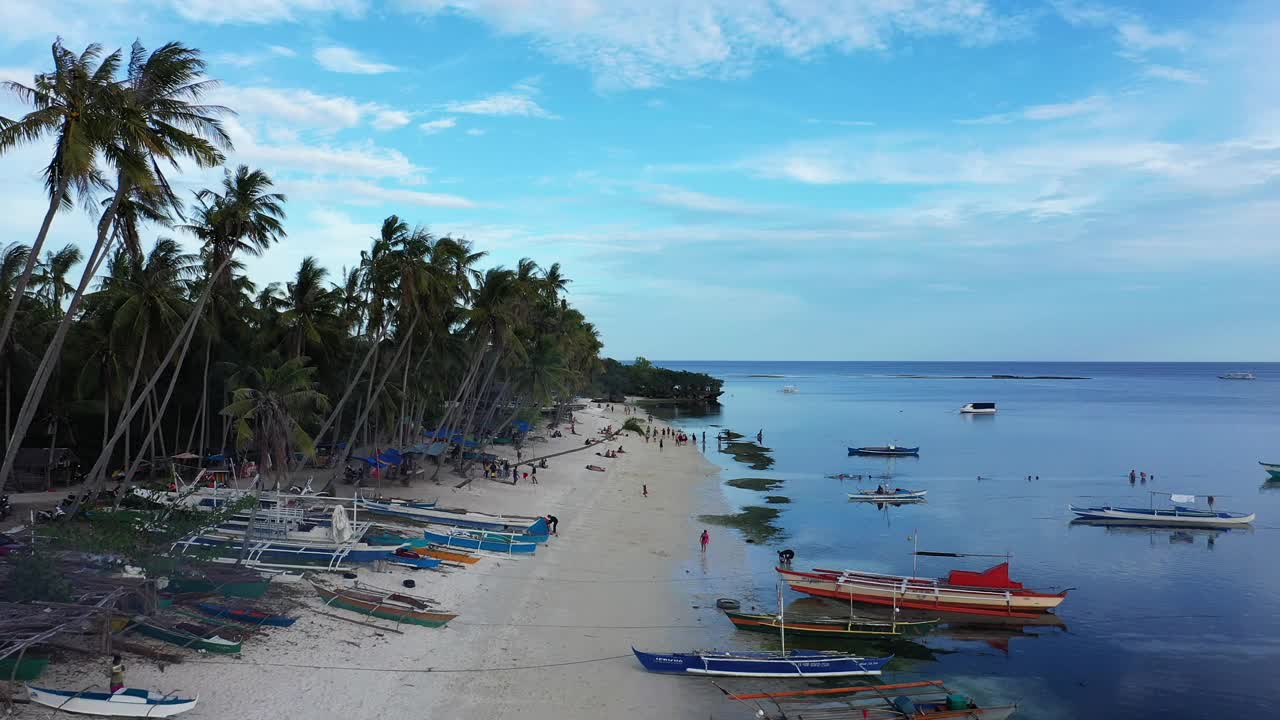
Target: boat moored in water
{"points": [[1237, 376], [888, 450], [914, 700], [797, 663], [890, 496], [989, 592], [979, 408], [1176, 516], [827, 627], [1273, 469]]}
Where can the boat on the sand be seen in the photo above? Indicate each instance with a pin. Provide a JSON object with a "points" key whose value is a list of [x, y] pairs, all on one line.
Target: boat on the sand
{"points": [[471, 540], [189, 635], [126, 702], [394, 606], [989, 592], [885, 450], [250, 616], [797, 663], [925, 700], [827, 627], [894, 495]]}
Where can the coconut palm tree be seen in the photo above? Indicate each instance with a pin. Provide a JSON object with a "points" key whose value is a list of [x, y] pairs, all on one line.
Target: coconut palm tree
{"points": [[51, 277], [157, 118], [270, 411], [78, 103], [310, 312]]}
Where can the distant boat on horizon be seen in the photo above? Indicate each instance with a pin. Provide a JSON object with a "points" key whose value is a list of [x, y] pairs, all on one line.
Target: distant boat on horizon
{"points": [[1237, 375], [790, 389], [979, 408], [886, 450]]}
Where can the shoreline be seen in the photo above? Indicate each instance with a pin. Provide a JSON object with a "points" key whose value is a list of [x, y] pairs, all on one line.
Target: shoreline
{"points": [[547, 636]]}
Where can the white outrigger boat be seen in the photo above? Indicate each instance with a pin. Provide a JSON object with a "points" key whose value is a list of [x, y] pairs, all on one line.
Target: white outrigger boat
{"points": [[1179, 515], [126, 702], [891, 496]]}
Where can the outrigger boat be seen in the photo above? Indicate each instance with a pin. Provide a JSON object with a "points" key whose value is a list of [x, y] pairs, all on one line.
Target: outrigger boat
{"points": [[470, 540], [989, 592], [190, 635], [456, 517], [1177, 516], [827, 627], [249, 616], [394, 606], [886, 450], [891, 496], [125, 702], [927, 700], [1273, 469], [445, 554], [802, 663]]}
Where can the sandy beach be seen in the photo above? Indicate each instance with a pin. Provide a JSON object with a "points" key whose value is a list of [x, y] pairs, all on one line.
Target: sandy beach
{"points": [[547, 636]]}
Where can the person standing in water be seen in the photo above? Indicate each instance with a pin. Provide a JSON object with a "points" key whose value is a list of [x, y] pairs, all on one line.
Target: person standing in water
{"points": [[117, 673], [644, 490], [705, 540]]}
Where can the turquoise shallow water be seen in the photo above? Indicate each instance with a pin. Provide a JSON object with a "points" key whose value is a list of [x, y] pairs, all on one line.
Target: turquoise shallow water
{"points": [[1158, 623]]}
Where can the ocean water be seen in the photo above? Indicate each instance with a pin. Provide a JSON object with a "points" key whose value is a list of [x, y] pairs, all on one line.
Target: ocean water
{"points": [[1158, 623]]}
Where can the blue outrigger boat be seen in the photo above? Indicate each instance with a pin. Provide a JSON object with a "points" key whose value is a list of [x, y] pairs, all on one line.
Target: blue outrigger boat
{"points": [[801, 663], [885, 450], [480, 541], [411, 559]]}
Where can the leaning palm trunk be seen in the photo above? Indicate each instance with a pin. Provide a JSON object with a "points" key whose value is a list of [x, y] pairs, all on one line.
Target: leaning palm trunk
{"points": [[20, 289], [479, 395], [346, 395], [43, 372], [96, 474], [364, 415], [463, 387]]}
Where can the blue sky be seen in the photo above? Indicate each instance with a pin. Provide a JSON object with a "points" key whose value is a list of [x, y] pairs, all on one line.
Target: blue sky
{"points": [[765, 179]]}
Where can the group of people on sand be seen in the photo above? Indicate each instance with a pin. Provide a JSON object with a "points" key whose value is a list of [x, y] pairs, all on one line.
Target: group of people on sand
{"points": [[612, 453]]}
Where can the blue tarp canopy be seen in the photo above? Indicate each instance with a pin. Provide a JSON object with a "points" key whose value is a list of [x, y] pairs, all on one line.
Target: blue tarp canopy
{"points": [[437, 449], [391, 457], [441, 433], [371, 461], [521, 426]]}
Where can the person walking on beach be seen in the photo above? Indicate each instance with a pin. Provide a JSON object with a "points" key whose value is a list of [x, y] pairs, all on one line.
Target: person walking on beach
{"points": [[515, 475], [117, 673], [533, 478], [553, 522], [705, 539], [659, 443]]}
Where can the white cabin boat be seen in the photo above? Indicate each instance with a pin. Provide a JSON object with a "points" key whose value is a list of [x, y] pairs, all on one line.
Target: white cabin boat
{"points": [[1237, 376], [979, 408]]}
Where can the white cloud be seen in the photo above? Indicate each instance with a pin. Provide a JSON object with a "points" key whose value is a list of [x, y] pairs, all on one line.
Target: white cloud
{"points": [[250, 58], [1182, 75], [1138, 37], [435, 126], [364, 192], [391, 119], [475, 131], [361, 160], [501, 104], [257, 12], [1053, 111], [345, 60], [1132, 33], [684, 199], [643, 44], [306, 108]]}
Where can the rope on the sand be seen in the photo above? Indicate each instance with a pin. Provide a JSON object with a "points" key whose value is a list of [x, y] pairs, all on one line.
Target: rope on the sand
{"points": [[423, 671]]}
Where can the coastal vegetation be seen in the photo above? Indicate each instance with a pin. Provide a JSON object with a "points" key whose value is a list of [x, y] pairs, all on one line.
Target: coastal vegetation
{"points": [[642, 378], [758, 484], [134, 352], [755, 456], [753, 521], [777, 499]]}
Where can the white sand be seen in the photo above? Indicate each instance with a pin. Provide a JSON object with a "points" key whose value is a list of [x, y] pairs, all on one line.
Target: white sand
{"points": [[624, 570]]}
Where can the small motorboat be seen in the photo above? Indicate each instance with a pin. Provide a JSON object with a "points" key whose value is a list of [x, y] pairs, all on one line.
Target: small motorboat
{"points": [[1237, 376], [1273, 469], [889, 450], [790, 389], [126, 702], [894, 495], [797, 663], [828, 627], [980, 408]]}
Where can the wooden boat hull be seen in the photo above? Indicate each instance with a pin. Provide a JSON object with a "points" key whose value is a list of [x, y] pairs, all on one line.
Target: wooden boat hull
{"points": [[463, 519], [24, 670], [851, 628], [921, 594], [414, 560], [927, 700], [472, 543], [1165, 518], [394, 613], [1272, 469], [446, 555], [793, 664], [907, 496], [212, 643], [885, 451], [245, 615], [129, 702]]}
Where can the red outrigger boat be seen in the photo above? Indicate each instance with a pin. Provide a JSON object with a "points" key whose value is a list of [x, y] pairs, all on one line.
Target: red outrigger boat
{"points": [[989, 592]]}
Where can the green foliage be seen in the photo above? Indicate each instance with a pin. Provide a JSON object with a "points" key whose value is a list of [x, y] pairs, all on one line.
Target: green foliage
{"points": [[33, 577], [644, 379], [633, 425], [758, 484]]}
